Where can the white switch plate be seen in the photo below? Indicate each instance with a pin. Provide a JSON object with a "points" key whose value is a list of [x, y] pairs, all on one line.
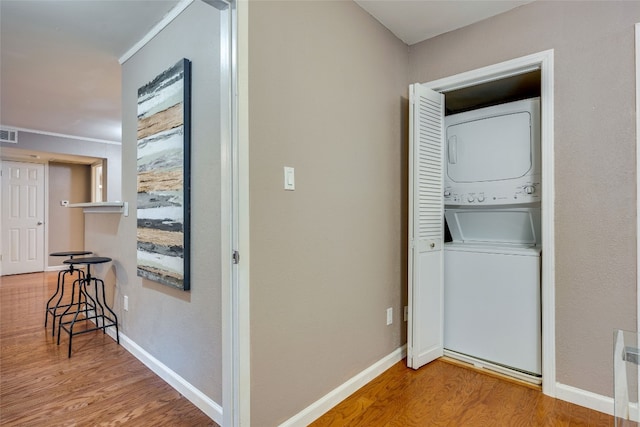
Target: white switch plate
{"points": [[389, 315], [126, 303], [289, 178]]}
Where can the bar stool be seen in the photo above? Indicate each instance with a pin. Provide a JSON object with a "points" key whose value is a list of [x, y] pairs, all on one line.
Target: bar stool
{"points": [[53, 309], [94, 305]]}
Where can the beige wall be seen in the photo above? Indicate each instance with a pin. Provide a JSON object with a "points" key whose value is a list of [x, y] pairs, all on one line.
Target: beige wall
{"points": [[327, 89], [180, 329], [70, 182], [594, 161]]}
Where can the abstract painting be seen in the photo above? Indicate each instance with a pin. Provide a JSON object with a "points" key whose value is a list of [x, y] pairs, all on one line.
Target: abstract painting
{"points": [[164, 133]]}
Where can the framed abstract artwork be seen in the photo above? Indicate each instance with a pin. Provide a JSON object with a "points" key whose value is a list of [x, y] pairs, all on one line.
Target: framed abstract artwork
{"points": [[163, 160]]}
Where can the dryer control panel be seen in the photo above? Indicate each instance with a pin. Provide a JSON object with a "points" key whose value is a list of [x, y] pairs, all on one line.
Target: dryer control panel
{"points": [[507, 194]]}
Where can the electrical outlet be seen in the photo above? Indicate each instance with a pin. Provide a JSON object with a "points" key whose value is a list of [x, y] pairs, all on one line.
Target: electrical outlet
{"points": [[389, 315], [125, 305], [406, 312]]}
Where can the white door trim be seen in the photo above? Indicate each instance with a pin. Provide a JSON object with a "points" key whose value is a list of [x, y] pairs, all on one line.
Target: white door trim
{"points": [[544, 62], [239, 391], [235, 224]]}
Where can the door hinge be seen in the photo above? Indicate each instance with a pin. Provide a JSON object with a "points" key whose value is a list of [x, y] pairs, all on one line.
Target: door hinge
{"points": [[236, 257]]}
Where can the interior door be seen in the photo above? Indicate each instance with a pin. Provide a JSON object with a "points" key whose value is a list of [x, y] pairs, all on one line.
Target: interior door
{"points": [[426, 236], [22, 217]]}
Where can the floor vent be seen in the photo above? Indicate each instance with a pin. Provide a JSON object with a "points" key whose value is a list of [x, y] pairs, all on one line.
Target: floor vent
{"points": [[8, 135]]}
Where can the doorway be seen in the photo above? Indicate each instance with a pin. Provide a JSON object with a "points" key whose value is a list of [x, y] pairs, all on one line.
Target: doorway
{"points": [[23, 217], [421, 335]]}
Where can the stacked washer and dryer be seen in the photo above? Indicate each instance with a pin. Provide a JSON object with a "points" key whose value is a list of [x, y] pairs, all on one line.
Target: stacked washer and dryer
{"points": [[492, 265]]}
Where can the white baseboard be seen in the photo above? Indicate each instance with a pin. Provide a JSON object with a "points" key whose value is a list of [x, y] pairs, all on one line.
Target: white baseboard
{"points": [[195, 396], [318, 408], [593, 401], [57, 267], [590, 400]]}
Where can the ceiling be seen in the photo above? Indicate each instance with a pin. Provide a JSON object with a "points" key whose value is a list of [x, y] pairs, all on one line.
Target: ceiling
{"points": [[59, 69], [413, 21]]}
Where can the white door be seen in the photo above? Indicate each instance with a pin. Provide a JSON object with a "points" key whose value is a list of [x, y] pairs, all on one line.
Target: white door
{"points": [[426, 236], [22, 217]]}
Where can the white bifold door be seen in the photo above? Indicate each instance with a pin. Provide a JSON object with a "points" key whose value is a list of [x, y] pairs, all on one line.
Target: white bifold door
{"points": [[426, 234]]}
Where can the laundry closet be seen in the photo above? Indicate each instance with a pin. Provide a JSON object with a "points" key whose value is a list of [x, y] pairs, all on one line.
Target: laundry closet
{"points": [[491, 185]]}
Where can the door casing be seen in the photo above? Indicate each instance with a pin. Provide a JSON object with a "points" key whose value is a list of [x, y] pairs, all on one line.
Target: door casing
{"points": [[543, 61]]}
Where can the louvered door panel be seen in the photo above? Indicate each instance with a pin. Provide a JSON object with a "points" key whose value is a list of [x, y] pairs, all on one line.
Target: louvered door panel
{"points": [[425, 226], [429, 167]]}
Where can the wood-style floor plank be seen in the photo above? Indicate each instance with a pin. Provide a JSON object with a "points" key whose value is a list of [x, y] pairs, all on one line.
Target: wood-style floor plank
{"points": [[446, 394], [101, 384]]}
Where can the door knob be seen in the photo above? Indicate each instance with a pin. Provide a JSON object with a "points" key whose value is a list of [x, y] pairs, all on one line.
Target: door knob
{"points": [[39, 222]]}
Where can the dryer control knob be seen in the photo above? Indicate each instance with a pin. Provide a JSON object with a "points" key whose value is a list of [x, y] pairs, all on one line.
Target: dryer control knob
{"points": [[470, 199], [447, 193], [481, 199], [529, 189]]}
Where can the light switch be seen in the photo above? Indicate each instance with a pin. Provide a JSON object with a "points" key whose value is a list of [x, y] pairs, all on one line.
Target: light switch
{"points": [[289, 179]]}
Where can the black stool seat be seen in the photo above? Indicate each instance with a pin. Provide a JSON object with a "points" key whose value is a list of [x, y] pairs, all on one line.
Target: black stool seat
{"points": [[87, 260], [55, 309], [94, 307], [71, 253]]}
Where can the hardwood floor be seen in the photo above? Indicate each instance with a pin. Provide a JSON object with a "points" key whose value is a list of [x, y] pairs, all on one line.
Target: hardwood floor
{"points": [[444, 394], [101, 384]]}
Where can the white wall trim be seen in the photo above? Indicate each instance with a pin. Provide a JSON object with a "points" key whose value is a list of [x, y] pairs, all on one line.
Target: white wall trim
{"points": [[544, 61], [168, 18], [594, 401], [194, 395], [319, 407], [55, 267], [590, 400]]}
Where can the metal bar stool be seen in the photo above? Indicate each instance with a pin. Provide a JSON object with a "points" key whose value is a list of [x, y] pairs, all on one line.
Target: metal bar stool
{"points": [[53, 309], [99, 309]]}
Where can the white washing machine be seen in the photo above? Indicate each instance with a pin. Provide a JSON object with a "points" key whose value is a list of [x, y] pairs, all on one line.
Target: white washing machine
{"points": [[492, 304]]}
